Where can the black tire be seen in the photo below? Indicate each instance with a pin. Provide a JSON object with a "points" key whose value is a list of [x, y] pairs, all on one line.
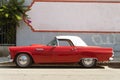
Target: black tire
{"points": [[88, 62], [23, 60]]}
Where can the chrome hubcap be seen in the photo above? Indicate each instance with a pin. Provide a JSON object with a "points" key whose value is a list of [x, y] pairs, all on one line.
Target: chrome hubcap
{"points": [[88, 61], [23, 60]]}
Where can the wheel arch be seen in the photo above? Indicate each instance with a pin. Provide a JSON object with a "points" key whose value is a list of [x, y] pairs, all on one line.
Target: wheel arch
{"points": [[89, 57], [83, 64], [96, 59]]}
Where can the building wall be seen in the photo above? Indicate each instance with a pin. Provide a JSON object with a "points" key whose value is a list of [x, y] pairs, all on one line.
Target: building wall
{"points": [[27, 36], [63, 16]]}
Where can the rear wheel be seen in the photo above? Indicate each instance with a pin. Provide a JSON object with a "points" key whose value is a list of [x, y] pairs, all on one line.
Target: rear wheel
{"points": [[23, 60], [88, 62]]}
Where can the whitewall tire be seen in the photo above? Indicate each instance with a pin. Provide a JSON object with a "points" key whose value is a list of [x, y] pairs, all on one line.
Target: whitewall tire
{"points": [[88, 62], [23, 60]]}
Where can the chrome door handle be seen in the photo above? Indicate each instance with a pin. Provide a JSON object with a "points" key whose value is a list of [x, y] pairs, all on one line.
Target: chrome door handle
{"points": [[39, 49], [73, 49]]}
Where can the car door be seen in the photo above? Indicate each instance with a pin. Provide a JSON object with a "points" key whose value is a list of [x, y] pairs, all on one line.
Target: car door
{"points": [[65, 52], [43, 54]]}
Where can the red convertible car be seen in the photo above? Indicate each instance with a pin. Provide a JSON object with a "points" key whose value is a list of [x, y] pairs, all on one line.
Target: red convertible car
{"points": [[62, 49]]}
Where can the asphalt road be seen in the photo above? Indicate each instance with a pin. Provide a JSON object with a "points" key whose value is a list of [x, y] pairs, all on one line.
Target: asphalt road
{"points": [[10, 72]]}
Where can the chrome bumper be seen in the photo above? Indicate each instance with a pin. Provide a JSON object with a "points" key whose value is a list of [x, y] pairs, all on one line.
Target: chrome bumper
{"points": [[111, 59]]}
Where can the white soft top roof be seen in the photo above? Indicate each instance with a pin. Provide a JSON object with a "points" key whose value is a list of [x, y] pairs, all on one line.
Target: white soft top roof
{"points": [[77, 41]]}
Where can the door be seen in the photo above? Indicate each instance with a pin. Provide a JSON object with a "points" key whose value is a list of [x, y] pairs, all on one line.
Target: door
{"points": [[43, 54], [65, 52]]}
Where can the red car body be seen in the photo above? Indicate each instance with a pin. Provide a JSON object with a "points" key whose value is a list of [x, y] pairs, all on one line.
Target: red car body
{"points": [[54, 53]]}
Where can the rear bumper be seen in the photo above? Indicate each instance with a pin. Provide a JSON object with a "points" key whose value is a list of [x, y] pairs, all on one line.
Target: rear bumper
{"points": [[111, 59]]}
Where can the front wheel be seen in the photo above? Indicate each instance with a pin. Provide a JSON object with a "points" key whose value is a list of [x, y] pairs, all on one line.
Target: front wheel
{"points": [[23, 60], [88, 62]]}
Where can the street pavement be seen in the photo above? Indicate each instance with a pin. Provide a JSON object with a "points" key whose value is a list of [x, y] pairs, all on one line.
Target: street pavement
{"points": [[38, 72]]}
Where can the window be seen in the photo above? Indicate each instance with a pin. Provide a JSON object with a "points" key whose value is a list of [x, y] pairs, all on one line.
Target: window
{"points": [[52, 43], [7, 36], [65, 42]]}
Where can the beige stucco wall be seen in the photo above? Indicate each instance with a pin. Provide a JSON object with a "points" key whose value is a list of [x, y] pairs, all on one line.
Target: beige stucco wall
{"points": [[75, 16]]}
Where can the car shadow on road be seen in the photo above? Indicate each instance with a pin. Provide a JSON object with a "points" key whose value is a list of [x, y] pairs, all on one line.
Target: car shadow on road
{"points": [[52, 67], [56, 66], [65, 67]]}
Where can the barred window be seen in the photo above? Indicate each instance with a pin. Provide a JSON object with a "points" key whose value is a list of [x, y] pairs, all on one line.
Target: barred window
{"points": [[7, 36], [7, 33]]}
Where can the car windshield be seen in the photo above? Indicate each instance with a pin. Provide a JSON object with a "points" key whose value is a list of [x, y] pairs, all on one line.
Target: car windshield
{"points": [[52, 43]]}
